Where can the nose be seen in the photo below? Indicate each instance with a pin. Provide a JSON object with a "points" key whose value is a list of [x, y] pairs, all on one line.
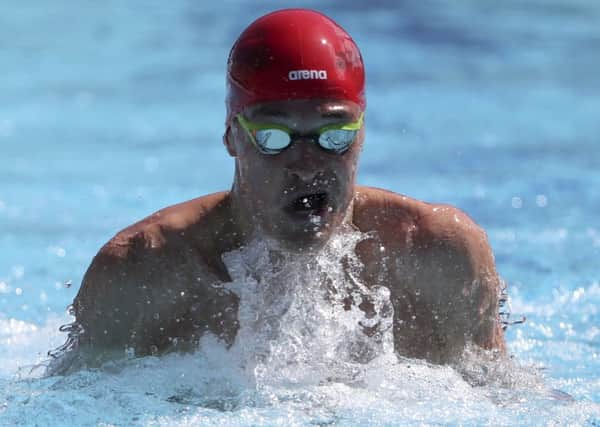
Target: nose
{"points": [[306, 160]]}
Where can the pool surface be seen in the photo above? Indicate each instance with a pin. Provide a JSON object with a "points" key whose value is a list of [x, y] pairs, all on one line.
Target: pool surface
{"points": [[110, 111]]}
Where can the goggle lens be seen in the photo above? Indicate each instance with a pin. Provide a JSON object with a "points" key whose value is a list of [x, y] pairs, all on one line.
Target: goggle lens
{"points": [[337, 139], [272, 140]]}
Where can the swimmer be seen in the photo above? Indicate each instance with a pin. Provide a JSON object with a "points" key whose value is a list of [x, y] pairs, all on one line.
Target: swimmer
{"points": [[295, 127]]}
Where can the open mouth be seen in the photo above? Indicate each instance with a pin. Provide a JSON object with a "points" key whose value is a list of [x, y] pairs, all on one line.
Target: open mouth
{"points": [[309, 203]]}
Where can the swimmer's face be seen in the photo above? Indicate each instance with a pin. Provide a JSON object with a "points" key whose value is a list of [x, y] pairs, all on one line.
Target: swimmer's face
{"points": [[300, 195]]}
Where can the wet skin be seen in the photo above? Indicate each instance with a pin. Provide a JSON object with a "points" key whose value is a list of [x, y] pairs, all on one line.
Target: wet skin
{"points": [[156, 286]]}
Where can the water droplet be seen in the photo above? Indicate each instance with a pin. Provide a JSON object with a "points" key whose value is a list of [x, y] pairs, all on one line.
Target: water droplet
{"points": [[541, 200], [517, 202], [156, 316]]}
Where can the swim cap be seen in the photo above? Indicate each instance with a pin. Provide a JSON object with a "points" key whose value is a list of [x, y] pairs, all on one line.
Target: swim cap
{"points": [[293, 54]]}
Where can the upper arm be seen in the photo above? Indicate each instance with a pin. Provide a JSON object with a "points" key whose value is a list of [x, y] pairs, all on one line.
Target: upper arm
{"points": [[460, 276], [107, 306]]}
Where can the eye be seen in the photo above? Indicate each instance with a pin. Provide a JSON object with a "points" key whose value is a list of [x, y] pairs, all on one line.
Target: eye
{"points": [[337, 139], [272, 139]]}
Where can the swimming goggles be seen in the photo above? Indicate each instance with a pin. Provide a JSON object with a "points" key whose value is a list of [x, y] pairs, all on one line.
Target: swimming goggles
{"points": [[274, 138]]}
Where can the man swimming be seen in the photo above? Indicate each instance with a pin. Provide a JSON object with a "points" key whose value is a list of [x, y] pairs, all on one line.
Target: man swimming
{"points": [[295, 127]]}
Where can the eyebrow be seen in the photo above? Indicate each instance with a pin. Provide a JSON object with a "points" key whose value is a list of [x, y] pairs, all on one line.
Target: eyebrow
{"points": [[341, 114], [269, 112], [333, 113]]}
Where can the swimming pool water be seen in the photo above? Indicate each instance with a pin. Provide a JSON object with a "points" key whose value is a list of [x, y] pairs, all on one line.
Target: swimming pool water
{"points": [[113, 110]]}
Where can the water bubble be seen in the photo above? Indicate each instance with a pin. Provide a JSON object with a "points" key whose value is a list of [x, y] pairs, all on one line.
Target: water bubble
{"points": [[18, 271], [315, 219], [19, 291], [516, 202], [541, 200], [58, 251], [156, 316]]}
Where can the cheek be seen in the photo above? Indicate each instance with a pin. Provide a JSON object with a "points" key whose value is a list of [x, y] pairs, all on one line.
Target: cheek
{"points": [[258, 176], [346, 167]]}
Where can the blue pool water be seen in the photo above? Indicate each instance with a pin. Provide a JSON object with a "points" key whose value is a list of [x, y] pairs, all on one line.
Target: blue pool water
{"points": [[112, 110]]}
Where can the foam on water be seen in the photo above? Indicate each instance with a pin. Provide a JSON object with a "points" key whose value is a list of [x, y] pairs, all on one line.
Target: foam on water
{"points": [[301, 357]]}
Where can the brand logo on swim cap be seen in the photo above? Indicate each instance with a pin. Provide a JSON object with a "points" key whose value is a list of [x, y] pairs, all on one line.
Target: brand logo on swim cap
{"points": [[307, 75]]}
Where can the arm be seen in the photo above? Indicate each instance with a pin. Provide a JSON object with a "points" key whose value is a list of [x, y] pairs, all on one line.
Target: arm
{"points": [[458, 284], [128, 300]]}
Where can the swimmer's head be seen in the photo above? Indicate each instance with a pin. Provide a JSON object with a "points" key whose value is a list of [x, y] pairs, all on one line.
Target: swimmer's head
{"points": [[293, 54], [295, 106]]}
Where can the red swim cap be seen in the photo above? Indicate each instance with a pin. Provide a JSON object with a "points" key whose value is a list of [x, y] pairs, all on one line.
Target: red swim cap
{"points": [[293, 54]]}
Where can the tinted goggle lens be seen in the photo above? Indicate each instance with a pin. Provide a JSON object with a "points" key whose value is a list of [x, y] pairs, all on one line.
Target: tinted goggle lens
{"points": [[272, 139], [337, 139]]}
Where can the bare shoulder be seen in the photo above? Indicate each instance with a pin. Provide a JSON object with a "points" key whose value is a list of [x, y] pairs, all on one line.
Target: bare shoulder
{"points": [[147, 272], [428, 223], [161, 242], [443, 283], [166, 227]]}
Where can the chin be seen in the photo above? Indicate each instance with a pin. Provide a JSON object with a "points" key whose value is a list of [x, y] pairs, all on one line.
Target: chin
{"points": [[302, 241]]}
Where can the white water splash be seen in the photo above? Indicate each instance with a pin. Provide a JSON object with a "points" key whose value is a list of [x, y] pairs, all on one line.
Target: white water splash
{"points": [[300, 321]]}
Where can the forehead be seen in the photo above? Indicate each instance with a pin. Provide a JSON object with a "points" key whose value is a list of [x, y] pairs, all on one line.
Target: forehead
{"points": [[308, 109]]}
